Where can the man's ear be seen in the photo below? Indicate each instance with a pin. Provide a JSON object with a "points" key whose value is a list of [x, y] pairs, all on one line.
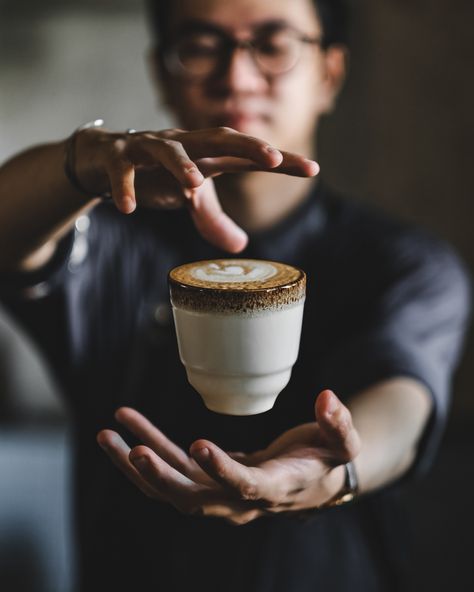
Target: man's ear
{"points": [[336, 59]]}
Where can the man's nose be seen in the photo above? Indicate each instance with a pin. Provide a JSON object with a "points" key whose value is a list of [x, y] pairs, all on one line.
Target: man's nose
{"points": [[242, 74]]}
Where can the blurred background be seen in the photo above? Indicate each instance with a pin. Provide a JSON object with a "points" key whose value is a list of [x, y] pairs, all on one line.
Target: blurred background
{"points": [[401, 138]]}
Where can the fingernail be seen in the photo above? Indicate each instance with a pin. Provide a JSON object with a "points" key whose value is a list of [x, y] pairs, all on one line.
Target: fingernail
{"points": [[196, 173], [331, 405], [315, 165], [129, 204], [271, 149], [141, 463], [204, 453]]}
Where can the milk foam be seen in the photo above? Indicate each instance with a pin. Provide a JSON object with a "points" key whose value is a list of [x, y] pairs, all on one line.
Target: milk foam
{"points": [[235, 272], [236, 285]]}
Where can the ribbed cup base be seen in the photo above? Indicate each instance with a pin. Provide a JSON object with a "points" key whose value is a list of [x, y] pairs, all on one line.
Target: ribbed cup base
{"points": [[239, 395]]}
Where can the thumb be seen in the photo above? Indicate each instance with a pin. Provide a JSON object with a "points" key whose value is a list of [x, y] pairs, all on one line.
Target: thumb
{"points": [[337, 430], [213, 223]]}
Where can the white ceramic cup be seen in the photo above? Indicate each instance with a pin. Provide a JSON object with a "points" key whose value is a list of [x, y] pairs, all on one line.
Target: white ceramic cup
{"points": [[238, 325]]}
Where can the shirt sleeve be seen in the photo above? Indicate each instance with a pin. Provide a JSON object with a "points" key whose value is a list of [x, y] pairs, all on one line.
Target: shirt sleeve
{"points": [[39, 283], [416, 330]]}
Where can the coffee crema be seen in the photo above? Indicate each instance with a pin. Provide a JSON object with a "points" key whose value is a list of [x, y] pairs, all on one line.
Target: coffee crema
{"points": [[236, 285]]}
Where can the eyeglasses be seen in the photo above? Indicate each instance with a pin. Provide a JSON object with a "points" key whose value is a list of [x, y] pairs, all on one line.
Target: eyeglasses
{"points": [[205, 54]]}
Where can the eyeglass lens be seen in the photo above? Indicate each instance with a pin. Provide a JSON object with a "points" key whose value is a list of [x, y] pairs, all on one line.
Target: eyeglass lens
{"points": [[207, 53]]}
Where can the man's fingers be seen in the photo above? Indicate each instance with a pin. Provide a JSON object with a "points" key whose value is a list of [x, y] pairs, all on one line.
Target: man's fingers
{"points": [[152, 437], [228, 142], [212, 142], [184, 493], [241, 457], [296, 165], [292, 165], [182, 154], [122, 179], [246, 483], [338, 431], [234, 513], [156, 470], [156, 479], [213, 224], [147, 148], [212, 167], [118, 451]]}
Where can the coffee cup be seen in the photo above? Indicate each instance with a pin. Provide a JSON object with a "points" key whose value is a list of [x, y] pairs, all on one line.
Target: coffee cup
{"points": [[238, 325]]}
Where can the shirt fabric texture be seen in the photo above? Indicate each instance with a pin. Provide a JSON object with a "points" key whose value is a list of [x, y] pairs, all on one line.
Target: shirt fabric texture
{"points": [[383, 300]]}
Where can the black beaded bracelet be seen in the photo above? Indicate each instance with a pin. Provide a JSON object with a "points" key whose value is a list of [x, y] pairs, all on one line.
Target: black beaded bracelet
{"points": [[70, 161]]}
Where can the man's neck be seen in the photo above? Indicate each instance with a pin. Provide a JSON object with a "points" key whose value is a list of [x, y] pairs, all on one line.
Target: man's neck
{"points": [[258, 201]]}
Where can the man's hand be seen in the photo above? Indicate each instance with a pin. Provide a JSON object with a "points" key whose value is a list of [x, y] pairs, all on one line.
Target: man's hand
{"points": [[302, 469], [172, 168]]}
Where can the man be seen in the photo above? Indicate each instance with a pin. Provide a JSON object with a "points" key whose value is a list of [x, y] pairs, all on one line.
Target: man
{"points": [[383, 324]]}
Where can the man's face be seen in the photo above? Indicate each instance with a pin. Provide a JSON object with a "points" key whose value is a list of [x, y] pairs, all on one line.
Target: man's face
{"points": [[282, 109]]}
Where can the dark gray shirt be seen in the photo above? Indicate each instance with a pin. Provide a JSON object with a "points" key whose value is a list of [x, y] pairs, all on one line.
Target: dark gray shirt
{"points": [[383, 300]]}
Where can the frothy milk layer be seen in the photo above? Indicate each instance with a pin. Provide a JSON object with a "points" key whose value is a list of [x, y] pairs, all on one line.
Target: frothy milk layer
{"points": [[236, 285], [234, 272]]}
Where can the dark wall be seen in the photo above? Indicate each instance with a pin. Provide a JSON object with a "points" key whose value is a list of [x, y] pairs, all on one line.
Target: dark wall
{"points": [[403, 133]]}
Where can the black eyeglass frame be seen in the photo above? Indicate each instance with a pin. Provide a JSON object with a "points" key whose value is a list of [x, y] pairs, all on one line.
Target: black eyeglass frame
{"points": [[174, 66]]}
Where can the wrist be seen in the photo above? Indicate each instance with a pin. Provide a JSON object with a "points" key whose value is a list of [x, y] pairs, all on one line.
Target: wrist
{"points": [[341, 487], [82, 174], [334, 483], [349, 488]]}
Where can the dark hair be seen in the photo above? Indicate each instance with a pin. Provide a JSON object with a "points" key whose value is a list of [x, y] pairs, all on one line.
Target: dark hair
{"points": [[333, 15]]}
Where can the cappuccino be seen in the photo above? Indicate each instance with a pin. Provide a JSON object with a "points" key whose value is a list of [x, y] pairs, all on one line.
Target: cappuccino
{"points": [[238, 324]]}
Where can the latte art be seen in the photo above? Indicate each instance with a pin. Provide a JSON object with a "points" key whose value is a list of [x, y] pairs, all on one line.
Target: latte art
{"points": [[242, 274], [230, 272], [236, 285]]}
